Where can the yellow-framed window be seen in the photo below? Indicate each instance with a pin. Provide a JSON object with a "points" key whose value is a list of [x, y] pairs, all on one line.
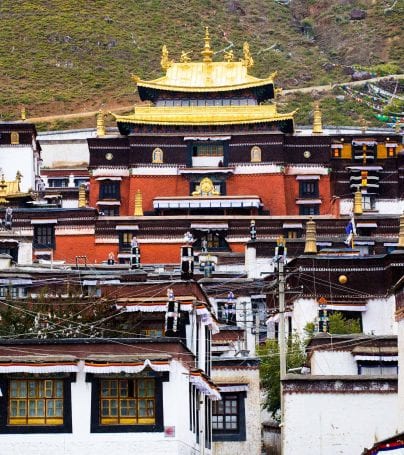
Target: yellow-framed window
{"points": [[127, 401], [35, 402]]}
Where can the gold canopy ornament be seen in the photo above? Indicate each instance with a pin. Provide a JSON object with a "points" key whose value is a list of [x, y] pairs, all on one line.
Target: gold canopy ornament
{"points": [[82, 196], [138, 203], [401, 232], [207, 52], [100, 123], [358, 209], [247, 61], [317, 121], [165, 61], [310, 246]]}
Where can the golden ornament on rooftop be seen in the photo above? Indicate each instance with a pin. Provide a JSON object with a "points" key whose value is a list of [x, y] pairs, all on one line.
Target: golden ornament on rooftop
{"points": [[343, 279]]}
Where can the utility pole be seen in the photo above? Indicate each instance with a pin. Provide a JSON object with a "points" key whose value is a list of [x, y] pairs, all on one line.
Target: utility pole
{"points": [[280, 257]]}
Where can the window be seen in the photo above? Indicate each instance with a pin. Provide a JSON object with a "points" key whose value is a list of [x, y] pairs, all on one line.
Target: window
{"points": [[377, 368], [228, 417], [58, 183], [44, 236], [308, 188], [125, 239], [207, 150], [368, 202], [35, 405], [109, 190], [35, 402], [309, 209], [126, 404], [108, 210]]}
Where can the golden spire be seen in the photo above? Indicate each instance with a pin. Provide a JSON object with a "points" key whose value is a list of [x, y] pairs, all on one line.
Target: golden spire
{"points": [[100, 123], [317, 123], [207, 51], [247, 60], [138, 203], [358, 202], [82, 196], [401, 232], [310, 246], [23, 114], [165, 62]]}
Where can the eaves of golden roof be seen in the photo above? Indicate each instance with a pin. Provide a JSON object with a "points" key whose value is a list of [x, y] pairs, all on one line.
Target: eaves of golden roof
{"points": [[204, 115]]}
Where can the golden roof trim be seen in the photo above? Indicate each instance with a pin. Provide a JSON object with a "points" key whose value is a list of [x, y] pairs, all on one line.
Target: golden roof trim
{"points": [[251, 83], [204, 115]]}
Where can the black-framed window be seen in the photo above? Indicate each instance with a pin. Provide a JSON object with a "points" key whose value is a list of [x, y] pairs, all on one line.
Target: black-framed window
{"points": [[58, 183], [308, 188], [109, 189], [306, 209], [35, 404], [228, 417], [207, 149], [226, 312], [125, 240], [44, 236], [108, 210], [377, 368], [127, 404]]}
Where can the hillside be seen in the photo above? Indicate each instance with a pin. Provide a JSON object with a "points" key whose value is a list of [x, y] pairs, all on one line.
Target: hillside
{"points": [[59, 56]]}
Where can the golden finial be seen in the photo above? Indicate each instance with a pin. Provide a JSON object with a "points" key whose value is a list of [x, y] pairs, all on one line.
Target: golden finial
{"points": [[23, 114], [138, 203], [247, 61], [207, 51], [100, 123], [229, 56], [401, 232], [184, 57], [165, 62], [363, 123], [358, 202], [135, 78], [310, 246], [82, 196], [317, 122]]}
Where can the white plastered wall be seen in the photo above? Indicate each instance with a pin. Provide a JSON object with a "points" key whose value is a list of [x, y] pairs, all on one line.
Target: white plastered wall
{"points": [[378, 319], [337, 424]]}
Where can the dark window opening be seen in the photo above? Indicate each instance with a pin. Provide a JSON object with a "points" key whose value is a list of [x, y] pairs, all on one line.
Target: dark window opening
{"points": [[309, 209], [228, 417], [308, 188], [44, 236], [109, 190]]}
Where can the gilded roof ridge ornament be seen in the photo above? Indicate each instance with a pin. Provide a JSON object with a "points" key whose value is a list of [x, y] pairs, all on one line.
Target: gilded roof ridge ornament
{"points": [[185, 57], [229, 56], [165, 62], [247, 61], [207, 52]]}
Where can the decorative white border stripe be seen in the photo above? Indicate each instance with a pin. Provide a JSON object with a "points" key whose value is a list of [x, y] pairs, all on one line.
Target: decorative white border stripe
{"points": [[204, 387], [31, 368], [115, 367]]}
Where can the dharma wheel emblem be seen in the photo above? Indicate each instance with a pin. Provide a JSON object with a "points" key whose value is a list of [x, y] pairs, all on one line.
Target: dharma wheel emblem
{"points": [[206, 188]]}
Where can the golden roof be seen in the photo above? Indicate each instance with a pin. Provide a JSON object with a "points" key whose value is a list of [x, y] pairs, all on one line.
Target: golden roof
{"points": [[204, 115], [206, 77], [9, 188]]}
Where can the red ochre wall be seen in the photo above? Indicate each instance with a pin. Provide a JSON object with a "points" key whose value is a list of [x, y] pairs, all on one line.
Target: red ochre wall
{"points": [[154, 186], [70, 246], [158, 253], [269, 187]]}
